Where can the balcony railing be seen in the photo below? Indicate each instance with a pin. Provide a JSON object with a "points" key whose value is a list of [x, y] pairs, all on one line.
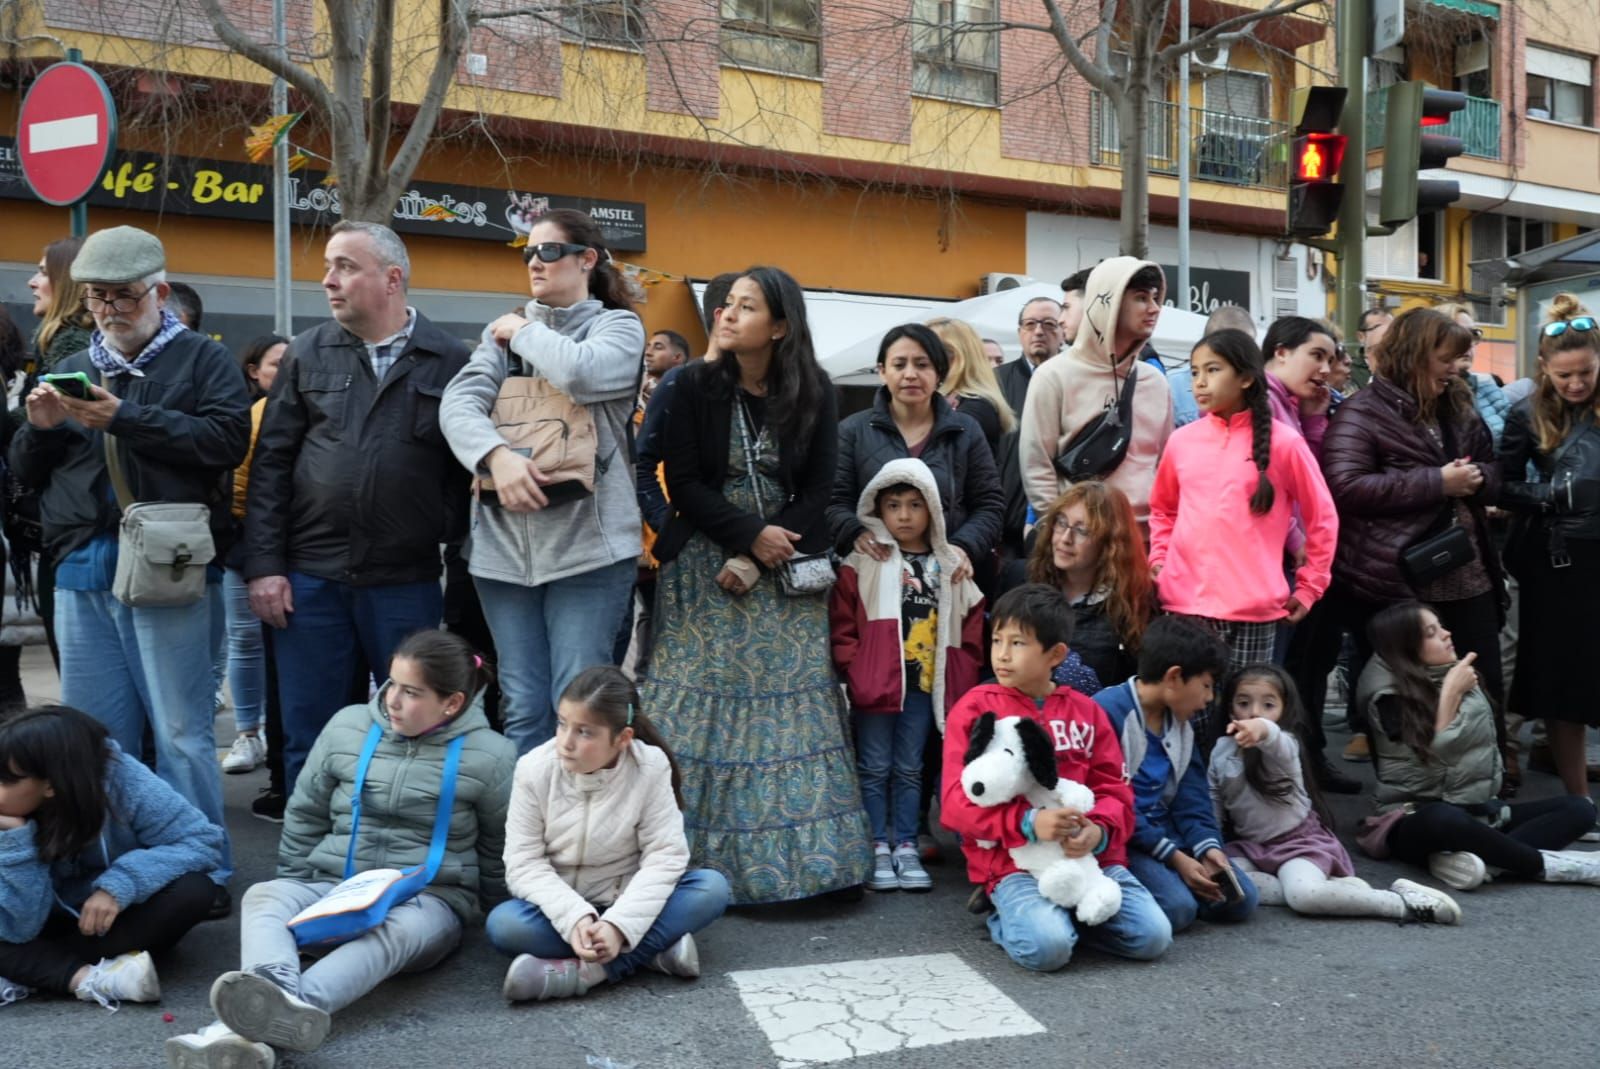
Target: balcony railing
{"points": [[1224, 148], [1477, 125]]}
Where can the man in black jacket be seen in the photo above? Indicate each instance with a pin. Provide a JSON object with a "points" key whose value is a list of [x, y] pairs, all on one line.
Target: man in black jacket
{"points": [[352, 487], [171, 407]]}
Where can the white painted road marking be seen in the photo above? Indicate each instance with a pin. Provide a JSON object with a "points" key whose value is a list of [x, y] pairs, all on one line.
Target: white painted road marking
{"points": [[76, 132], [814, 1014]]}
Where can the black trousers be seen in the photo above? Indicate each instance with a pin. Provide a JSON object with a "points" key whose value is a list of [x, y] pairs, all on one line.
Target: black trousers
{"points": [[1548, 824], [49, 960]]}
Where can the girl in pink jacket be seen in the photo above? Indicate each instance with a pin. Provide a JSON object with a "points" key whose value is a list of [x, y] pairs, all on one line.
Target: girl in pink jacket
{"points": [[1225, 496], [596, 858]]}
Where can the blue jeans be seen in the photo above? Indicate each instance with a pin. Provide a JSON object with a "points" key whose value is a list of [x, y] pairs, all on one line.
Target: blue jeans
{"points": [[545, 635], [1179, 903], [247, 674], [889, 762], [520, 927], [1040, 935], [129, 668], [335, 631]]}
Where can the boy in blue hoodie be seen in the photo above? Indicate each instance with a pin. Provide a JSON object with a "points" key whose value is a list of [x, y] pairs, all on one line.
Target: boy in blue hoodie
{"points": [[1176, 848]]}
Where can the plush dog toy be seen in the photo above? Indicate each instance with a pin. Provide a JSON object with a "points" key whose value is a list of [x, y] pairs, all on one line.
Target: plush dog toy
{"points": [[1013, 756]]}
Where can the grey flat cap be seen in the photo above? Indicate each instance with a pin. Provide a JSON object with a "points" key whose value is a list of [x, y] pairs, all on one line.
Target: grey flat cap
{"points": [[120, 254]]}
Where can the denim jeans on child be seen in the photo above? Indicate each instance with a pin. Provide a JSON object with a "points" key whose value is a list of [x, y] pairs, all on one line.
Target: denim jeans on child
{"points": [[546, 635], [1180, 904], [130, 667], [520, 927], [889, 763], [247, 673], [1040, 935], [415, 936], [334, 631]]}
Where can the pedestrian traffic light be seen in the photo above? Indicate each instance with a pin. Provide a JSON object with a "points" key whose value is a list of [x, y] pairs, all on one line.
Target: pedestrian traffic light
{"points": [[1316, 154], [1407, 149]]}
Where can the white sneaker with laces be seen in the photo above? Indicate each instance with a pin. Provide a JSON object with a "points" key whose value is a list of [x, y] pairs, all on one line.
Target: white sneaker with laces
{"points": [[908, 870], [1458, 869], [245, 755], [1571, 866], [883, 876], [261, 1011], [128, 977], [216, 1046], [1425, 904], [10, 992]]}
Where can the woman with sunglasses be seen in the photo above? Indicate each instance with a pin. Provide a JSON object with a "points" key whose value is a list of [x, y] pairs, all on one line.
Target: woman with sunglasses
{"points": [[1554, 548], [554, 577]]}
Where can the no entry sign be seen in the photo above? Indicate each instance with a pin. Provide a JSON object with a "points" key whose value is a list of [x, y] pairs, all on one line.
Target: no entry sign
{"points": [[66, 133]]}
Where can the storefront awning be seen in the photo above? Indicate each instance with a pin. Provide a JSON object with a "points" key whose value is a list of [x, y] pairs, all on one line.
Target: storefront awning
{"points": [[1471, 7]]}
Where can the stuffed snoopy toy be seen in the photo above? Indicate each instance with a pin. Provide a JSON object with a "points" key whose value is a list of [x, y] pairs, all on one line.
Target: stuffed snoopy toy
{"points": [[1012, 756]]}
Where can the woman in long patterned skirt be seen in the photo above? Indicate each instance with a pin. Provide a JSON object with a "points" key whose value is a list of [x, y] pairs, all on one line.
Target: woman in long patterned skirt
{"points": [[740, 680]]}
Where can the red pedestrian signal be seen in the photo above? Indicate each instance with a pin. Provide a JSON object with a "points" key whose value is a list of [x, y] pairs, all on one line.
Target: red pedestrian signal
{"points": [[1318, 157], [1316, 154]]}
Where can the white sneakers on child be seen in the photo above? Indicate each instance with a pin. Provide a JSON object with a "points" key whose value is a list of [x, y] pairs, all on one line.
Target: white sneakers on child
{"points": [[217, 1046], [908, 871], [680, 959], [883, 876], [1571, 866], [1425, 904], [262, 1012], [532, 979], [1458, 869], [248, 753], [10, 992], [128, 977]]}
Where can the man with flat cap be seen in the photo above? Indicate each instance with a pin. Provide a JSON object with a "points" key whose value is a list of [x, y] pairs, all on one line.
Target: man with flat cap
{"points": [[170, 408]]}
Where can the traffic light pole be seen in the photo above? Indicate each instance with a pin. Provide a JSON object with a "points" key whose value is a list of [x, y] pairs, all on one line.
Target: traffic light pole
{"points": [[1353, 28]]}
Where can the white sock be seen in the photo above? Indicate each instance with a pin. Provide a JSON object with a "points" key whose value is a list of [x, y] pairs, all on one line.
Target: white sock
{"points": [[1309, 891]]}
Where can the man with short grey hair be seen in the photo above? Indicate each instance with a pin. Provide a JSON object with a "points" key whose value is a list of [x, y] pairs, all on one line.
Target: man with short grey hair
{"points": [[169, 408], [352, 487], [1039, 331]]}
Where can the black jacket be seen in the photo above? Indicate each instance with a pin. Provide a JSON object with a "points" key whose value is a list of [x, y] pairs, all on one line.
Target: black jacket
{"points": [[181, 430], [353, 481], [694, 443], [1567, 496], [956, 453], [1014, 376]]}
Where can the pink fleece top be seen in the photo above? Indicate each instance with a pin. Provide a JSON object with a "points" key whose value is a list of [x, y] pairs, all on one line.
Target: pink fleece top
{"points": [[1286, 407], [1217, 558]]}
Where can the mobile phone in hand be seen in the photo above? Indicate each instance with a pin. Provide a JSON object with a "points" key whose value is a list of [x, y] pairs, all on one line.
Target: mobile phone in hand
{"points": [[74, 384], [1227, 882]]}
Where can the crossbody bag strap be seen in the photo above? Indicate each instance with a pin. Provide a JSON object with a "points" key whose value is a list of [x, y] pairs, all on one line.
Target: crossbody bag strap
{"points": [[447, 801], [374, 736], [119, 481], [1125, 398]]}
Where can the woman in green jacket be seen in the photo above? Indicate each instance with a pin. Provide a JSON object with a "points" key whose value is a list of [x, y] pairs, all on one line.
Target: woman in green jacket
{"points": [[432, 699]]}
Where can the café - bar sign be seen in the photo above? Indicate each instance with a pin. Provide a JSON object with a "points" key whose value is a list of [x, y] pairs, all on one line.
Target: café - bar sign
{"points": [[186, 185]]}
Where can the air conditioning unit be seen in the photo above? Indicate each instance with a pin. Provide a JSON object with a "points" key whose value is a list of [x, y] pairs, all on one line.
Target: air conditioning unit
{"points": [[999, 281], [1211, 57]]}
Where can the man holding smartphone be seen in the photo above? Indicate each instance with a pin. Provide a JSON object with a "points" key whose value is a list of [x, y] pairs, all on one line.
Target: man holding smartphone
{"points": [[171, 407]]}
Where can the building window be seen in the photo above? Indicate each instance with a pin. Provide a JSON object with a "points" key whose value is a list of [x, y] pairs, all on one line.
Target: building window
{"points": [[1394, 255], [618, 23], [954, 58], [1240, 94], [1494, 237], [774, 35], [1160, 127], [1560, 86]]}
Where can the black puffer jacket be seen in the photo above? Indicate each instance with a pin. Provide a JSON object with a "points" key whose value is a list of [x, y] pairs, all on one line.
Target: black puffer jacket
{"points": [[1567, 496], [956, 453], [352, 480], [1382, 468]]}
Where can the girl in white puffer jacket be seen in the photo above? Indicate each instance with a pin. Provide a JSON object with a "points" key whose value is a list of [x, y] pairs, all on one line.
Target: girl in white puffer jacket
{"points": [[596, 857]]}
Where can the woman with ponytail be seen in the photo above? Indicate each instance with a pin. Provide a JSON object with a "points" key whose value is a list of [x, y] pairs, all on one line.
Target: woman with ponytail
{"points": [[555, 575], [1225, 494], [1554, 549]]}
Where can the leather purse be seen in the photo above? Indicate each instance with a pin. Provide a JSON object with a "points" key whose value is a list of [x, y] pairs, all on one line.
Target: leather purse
{"points": [[1438, 554], [1101, 444]]}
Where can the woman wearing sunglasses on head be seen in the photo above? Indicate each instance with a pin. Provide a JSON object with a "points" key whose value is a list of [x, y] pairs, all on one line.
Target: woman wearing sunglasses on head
{"points": [[541, 415], [1554, 548]]}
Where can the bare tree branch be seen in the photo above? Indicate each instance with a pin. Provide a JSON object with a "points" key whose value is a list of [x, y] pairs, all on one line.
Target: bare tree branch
{"points": [[1233, 27], [263, 55]]}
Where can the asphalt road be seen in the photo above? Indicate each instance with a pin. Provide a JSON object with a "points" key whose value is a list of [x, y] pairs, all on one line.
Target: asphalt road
{"points": [[1514, 985]]}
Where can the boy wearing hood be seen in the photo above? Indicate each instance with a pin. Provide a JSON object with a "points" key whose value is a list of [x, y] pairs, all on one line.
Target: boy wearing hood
{"points": [[909, 644], [1122, 301]]}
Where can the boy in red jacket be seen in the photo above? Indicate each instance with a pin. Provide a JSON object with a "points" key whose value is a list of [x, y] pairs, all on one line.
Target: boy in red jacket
{"points": [[1031, 628]]}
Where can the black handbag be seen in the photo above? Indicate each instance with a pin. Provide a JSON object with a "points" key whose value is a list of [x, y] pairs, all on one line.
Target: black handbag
{"points": [[1438, 554], [1099, 446]]}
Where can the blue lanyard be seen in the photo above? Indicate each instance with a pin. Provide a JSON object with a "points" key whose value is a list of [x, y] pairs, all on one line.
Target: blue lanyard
{"points": [[447, 799]]}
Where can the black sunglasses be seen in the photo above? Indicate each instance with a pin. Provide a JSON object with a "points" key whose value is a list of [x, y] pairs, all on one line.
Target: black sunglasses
{"points": [[551, 251]]}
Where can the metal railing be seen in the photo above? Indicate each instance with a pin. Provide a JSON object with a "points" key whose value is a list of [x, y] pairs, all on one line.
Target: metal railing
{"points": [[1477, 125], [1224, 148]]}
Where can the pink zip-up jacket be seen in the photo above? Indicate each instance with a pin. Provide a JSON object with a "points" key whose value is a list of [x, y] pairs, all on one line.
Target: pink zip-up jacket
{"points": [[1217, 558], [1286, 408]]}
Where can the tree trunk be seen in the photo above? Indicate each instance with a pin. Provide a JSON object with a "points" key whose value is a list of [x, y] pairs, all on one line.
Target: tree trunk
{"points": [[1133, 120]]}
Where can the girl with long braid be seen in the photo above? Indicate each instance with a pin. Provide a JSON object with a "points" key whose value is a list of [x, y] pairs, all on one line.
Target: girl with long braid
{"points": [[1225, 495]]}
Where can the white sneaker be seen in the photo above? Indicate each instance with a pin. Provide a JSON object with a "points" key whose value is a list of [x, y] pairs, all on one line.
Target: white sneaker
{"points": [[531, 979], [262, 1012], [1425, 904], [216, 1046], [1458, 869], [128, 977], [1590, 836], [680, 959], [1571, 866], [10, 992], [246, 754]]}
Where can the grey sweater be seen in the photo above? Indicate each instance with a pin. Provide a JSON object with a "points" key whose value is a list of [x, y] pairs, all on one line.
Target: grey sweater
{"points": [[593, 355]]}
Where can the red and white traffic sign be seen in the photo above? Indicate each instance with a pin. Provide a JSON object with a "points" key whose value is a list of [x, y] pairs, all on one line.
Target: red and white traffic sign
{"points": [[66, 133]]}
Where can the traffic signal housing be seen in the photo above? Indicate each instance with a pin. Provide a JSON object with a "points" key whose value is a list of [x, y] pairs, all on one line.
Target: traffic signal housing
{"points": [[1408, 148], [1316, 155]]}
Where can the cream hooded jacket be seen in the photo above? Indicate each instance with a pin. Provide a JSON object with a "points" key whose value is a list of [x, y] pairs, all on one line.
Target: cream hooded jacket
{"points": [[609, 843], [1071, 389]]}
